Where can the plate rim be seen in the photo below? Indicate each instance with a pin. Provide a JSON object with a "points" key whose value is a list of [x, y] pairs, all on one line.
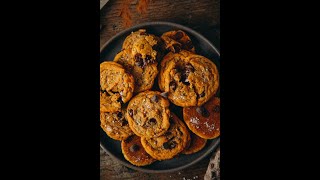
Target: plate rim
{"points": [[216, 143]]}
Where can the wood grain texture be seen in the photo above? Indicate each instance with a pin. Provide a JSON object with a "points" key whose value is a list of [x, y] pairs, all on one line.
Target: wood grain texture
{"points": [[110, 169], [201, 15]]}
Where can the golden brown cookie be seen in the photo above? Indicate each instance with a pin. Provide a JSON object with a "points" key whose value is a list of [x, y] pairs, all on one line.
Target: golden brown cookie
{"points": [[171, 143], [115, 125], [116, 86], [175, 41], [204, 121], [196, 144], [148, 114], [134, 152], [144, 74], [189, 79], [140, 55]]}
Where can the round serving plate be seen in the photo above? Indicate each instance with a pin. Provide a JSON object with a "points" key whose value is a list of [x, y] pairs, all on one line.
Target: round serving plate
{"points": [[203, 47]]}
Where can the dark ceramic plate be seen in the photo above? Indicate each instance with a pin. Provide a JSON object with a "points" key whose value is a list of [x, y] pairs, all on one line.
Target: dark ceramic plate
{"points": [[204, 48]]}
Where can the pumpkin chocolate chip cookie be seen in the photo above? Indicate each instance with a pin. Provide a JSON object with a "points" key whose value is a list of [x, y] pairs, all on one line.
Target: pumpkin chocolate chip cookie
{"points": [[204, 120], [140, 55], [171, 143], [148, 114], [189, 79], [115, 125], [134, 152], [116, 86], [196, 144], [175, 41]]}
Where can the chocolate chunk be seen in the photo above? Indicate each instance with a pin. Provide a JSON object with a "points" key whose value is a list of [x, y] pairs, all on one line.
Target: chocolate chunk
{"points": [[129, 139], [130, 111], [155, 98], [134, 148], [188, 45], [176, 48], [164, 94], [178, 35], [139, 60], [119, 115], [153, 121], [203, 111], [143, 33], [173, 85], [124, 123], [189, 68], [169, 145], [166, 145], [168, 133], [120, 100], [216, 109]]}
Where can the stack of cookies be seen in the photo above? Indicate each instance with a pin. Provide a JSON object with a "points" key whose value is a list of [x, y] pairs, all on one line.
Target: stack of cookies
{"points": [[138, 88]]}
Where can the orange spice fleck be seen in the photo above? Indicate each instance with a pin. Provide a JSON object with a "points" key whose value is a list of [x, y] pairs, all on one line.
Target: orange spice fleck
{"points": [[143, 6], [126, 14]]}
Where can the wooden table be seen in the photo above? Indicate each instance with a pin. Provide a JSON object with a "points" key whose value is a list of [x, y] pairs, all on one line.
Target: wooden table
{"points": [[200, 15]]}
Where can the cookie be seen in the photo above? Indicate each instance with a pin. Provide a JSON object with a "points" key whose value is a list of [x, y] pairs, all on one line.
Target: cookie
{"points": [[171, 143], [115, 125], [148, 114], [189, 79], [196, 144], [140, 55], [204, 121], [116, 86], [144, 73], [134, 152], [175, 41]]}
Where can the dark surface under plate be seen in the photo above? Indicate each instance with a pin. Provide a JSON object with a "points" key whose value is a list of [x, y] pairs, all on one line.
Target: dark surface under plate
{"points": [[204, 48]]}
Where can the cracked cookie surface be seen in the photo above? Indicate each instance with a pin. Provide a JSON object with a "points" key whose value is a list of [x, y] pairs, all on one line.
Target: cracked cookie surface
{"points": [[169, 144], [116, 86], [115, 125], [189, 79], [140, 55], [175, 41], [148, 114]]}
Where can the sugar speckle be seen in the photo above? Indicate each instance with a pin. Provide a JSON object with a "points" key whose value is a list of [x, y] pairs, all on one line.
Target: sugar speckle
{"points": [[194, 120]]}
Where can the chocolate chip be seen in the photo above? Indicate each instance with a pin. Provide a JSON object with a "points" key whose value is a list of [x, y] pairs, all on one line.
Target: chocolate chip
{"points": [[216, 109], [130, 111], [176, 48], [143, 33], [169, 145], [129, 139], [153, 121], [168, 133], [202, 94], [173, 85], [166, 145], [188, 45], [164, 94], [124, 123], [139, 60], [134, 148], [119, 115], [155, 98], [178, 35], [189, 68], [203, 111], [120, 100]]}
